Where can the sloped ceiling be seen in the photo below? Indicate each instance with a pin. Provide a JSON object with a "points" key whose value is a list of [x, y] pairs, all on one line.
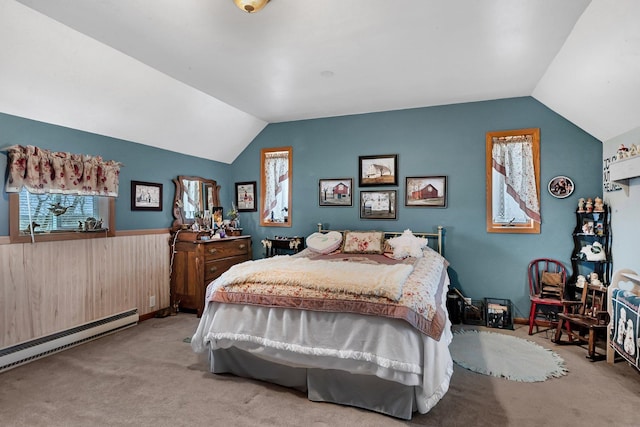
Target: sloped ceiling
{"points": [[203, 78]]}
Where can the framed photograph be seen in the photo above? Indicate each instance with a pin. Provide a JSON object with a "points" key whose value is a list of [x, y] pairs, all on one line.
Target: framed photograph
{"points": [[588, 227], [380, 204], [246, 196], [378, 170], [426, 191], [335, 192], [146, 196], [561, 187]]}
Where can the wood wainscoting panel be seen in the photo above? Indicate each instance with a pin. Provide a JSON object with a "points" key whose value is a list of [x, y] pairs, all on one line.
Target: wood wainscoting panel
{"points": [[48, 287]]}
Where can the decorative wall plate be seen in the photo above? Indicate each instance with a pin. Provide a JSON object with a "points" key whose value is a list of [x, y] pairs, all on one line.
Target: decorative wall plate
{"points": [[561, 187]]}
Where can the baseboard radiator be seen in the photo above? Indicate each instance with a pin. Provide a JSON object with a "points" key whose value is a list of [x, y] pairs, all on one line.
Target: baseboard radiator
{"points": [[19, 354]]}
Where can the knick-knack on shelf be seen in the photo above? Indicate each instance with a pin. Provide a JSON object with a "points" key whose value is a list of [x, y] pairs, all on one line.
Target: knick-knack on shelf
{"points": [[589, 205], [599, 206]]}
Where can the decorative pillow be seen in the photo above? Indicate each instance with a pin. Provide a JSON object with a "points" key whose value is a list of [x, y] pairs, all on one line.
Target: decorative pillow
{"points": [[324, 243], [407, 245], [363, 242]]}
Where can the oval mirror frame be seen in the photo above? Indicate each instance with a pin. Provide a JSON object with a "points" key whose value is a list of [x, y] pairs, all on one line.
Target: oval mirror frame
{"points": [[276, 171]]}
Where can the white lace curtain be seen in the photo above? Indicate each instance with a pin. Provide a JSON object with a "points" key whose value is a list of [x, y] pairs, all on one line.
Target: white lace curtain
{"points": [[42, 171], [512, 157], [276, 166]]}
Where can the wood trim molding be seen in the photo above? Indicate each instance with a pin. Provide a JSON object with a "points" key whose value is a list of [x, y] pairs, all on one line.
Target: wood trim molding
{"points": [[5, 240], [145, 232]]}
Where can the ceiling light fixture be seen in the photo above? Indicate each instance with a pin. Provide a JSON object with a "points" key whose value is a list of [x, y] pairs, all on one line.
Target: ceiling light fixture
{"points": [[251, 6]]}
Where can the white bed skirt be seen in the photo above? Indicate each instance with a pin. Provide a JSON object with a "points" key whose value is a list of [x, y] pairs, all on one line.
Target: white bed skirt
{"points": [[381, 364]]}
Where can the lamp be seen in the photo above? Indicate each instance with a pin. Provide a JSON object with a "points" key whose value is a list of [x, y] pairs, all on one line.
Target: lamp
{"points": [[251, 6]]}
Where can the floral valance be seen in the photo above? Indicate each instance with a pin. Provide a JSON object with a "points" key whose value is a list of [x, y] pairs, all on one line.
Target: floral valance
{"points": [[42, 171]]}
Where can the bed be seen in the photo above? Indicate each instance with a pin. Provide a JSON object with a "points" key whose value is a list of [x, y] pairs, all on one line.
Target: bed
{"points": [[305, 321], [623, 305]]}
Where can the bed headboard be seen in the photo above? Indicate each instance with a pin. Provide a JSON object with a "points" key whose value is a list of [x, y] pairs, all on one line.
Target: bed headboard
{"points": [[436, 238]]}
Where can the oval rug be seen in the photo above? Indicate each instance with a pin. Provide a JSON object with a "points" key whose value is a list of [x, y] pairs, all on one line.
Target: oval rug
{"points": [[505, 356]]}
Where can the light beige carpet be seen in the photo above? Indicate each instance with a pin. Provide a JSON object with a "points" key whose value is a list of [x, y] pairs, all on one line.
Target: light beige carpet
{"points": [[148, 376]]}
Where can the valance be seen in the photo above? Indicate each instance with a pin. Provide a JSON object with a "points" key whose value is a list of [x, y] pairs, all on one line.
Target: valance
{"points": [[42, 171]]}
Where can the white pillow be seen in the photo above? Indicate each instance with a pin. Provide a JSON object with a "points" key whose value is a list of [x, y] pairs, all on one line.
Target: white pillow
{"points": [[407, 245], [324, 243]]}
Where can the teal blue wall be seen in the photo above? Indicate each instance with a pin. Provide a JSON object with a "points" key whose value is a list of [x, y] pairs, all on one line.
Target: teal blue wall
{"points": [[445, 140], [141, 163]]}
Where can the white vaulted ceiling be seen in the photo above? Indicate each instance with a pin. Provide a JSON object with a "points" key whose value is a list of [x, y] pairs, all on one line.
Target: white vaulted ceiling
{"points": [[203, 78]]}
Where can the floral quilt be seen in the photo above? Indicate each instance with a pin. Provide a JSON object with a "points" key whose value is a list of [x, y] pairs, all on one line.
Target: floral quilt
{"points": [[419, 305]]}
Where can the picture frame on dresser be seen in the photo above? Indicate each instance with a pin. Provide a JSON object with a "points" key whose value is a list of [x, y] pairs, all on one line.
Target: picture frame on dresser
{"points": [[146, 196]]}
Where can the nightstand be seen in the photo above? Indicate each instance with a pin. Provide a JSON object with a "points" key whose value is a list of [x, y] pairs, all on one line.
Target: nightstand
{"points": [[281, 245]]}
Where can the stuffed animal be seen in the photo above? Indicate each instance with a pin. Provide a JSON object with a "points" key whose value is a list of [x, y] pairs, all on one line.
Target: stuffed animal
{"points": [[629, 342], [621, 326], [580, 282], [594, 252]]}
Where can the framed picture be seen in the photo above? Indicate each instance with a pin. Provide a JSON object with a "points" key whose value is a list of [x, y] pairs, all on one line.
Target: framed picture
{"points": [[588, 227], [335, 192], [426, 191], [561, 187], [378, 170], [146, 196], [380, 204], [246, 196]]}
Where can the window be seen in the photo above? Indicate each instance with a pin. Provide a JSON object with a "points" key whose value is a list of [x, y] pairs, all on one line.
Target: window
{"points": [[276, 187], [59, 216], [59, 195], [513, 181]]}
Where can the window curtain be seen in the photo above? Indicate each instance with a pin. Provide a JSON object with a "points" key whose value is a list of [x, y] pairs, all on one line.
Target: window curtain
{"points": [[512, 157], [42, 171], [276, 167]]}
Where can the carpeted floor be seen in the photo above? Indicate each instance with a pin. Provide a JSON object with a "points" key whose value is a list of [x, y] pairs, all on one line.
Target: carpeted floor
{"points": [[148, 376]]}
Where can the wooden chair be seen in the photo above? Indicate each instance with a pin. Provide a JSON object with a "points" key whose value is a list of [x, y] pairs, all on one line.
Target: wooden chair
{"points": [[586, 320], [547, 278]]}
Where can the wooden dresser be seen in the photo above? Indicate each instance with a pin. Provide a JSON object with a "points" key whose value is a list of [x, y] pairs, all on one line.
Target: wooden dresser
{"points": [[197, 262]]}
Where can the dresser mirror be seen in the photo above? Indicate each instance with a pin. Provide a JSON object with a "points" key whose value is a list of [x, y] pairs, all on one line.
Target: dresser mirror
{"points": [[194, 197], [275, 186]]}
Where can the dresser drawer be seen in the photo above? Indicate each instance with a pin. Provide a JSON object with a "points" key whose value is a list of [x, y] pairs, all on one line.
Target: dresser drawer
{"points": [[225, 249], [213, 269]]}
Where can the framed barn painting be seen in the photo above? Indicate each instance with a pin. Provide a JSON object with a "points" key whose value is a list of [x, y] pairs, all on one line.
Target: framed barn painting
{"points": [[426, 191], [378, 170], [335, 192], [380, 204]]}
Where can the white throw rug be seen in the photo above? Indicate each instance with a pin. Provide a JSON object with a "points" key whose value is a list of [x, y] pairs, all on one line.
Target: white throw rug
{"points": [[501, 355]]}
